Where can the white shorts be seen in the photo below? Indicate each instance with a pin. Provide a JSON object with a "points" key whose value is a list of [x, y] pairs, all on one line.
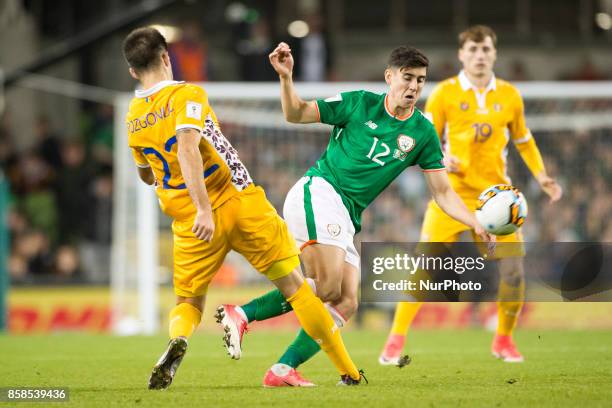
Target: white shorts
{"points": [[314, 212]]}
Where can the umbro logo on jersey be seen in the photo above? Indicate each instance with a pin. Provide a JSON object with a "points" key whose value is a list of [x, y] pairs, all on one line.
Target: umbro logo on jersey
{"points": [[371, 124]]}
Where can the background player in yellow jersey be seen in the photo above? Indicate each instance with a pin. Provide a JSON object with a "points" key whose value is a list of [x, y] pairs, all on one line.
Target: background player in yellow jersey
{"points": [[178, 146], [476, 115]]}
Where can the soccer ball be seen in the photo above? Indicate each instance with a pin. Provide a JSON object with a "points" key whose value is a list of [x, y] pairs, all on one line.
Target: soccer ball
{"points": [[501, 209]]}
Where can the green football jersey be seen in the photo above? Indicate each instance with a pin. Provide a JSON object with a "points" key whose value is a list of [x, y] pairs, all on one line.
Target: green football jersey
{"points": [[369, 147]]}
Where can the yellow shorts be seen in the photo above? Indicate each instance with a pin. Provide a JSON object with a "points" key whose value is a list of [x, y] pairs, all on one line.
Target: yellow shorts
{"points": [[440, 227], [246, 223]]}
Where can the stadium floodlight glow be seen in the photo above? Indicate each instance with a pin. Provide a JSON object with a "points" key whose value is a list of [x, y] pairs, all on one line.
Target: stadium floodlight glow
{"points": [[170, 33], [603, 20], [235, 12], [298, 29]]}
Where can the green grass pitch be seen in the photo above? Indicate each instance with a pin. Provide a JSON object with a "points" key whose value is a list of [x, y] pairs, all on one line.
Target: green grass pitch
{"points": [[449, 369]]}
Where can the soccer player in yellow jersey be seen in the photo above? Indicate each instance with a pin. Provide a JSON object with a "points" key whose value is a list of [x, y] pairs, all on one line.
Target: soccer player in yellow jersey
{"points": [[476, 115], [178, 147]]}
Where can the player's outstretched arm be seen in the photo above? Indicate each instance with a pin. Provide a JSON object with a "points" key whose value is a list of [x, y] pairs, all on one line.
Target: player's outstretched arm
{"points": [[528, 149], [192, 168], [296, 110], [450, 203], [533, 159], [550, 186]]}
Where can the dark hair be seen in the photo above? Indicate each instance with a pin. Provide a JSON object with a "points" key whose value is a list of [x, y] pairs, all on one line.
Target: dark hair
{"points": [[142, 48], [477, 33], [407, 57]]}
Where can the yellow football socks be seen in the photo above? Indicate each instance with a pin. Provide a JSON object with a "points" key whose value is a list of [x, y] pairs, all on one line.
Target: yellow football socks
{"points": [[404, 315], [184, 318], [317, 322], [509, 306]]}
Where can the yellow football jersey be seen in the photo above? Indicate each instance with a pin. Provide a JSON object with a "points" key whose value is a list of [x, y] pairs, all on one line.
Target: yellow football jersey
{"points": [[154, 117], [475, 126]]}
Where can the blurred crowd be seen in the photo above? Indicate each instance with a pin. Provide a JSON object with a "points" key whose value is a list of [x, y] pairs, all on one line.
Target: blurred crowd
{"points": [[59, 209], [253, 37]]}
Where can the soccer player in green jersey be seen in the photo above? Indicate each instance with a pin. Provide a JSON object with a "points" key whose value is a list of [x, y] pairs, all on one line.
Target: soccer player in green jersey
{"points": [[375, 137]]}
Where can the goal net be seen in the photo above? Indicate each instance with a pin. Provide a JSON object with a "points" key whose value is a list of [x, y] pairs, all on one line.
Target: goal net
{"points": [[571, 122]]}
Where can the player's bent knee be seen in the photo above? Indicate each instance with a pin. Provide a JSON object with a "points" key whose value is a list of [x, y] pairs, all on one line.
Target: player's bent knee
{"points": [[347, 306], [329, 291], [196, 301], [283, 268], [352, 307], [511, 270], [512, 279]]}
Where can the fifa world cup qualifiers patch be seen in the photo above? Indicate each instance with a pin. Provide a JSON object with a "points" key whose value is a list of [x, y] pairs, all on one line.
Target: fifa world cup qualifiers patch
{"points": [[194, 110]]}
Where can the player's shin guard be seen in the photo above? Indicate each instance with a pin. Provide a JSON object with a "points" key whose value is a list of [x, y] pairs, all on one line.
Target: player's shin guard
{"points": [[301, 350], [404, 315], [269, 305], [509, 306], [273, 303], [184, 318], [304, 347], [319, 325]]}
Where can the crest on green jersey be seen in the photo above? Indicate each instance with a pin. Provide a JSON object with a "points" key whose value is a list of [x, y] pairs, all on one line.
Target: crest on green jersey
{"points": [[404, 145]]}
